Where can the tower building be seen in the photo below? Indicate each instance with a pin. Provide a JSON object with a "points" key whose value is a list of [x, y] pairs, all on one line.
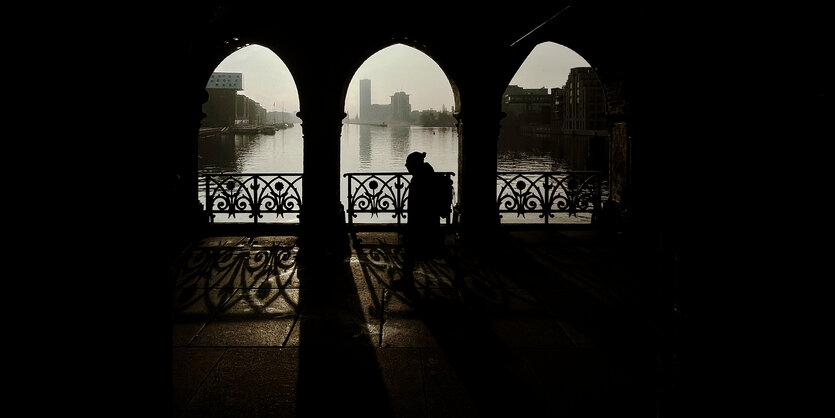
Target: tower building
{"points": [[365, 100]]}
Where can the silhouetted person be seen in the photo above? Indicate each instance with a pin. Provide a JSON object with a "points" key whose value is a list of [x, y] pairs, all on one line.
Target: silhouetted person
{"points": [[424, 238]]}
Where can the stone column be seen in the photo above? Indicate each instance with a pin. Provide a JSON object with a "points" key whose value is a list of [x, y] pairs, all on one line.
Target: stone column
{"points": [[322, 219], [479, 125], [186, 218]]}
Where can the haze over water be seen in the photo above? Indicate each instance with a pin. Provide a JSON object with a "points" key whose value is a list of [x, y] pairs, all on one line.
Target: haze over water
{"points": [[373, 149]]}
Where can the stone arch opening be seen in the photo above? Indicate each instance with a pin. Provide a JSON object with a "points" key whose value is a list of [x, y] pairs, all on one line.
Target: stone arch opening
{"points": [[250, 127], [399, 100], [555, 121]]}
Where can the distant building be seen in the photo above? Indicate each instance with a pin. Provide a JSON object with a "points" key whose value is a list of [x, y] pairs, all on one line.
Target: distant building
{"points": [[249, 112], [377, 113], [221, 107], [584, 103], [400, 107], [532, 111], [371, 113], [398, 110], [365, 100], [521, 100], [576, 108], [224, 81], [226, 107]]}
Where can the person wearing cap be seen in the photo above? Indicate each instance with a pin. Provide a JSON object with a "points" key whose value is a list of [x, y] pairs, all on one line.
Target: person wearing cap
{"points": [[423, 231]]}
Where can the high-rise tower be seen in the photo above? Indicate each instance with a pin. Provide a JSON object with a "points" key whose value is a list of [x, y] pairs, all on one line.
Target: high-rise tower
{"points": [[400, 107], [365, 100]]}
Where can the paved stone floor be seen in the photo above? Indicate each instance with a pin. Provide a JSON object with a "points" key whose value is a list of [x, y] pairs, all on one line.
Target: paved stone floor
{"points": [[533, 324]]}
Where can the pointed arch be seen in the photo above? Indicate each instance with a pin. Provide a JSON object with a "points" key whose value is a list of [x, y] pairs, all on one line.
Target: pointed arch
{"points": [[400, 58], [248, 128], [555, 122], [399, 100]]}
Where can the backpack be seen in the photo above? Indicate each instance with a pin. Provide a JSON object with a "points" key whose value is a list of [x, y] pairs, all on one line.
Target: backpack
{"points": [[442, 194]]}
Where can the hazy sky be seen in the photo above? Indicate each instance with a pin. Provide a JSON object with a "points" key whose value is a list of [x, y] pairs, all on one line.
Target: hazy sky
{"points": [[397, 68]]}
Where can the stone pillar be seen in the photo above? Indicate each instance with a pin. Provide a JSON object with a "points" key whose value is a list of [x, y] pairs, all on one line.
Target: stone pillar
{"points": [[322, 219], [479, 125], [186, 219], [620, 163]]}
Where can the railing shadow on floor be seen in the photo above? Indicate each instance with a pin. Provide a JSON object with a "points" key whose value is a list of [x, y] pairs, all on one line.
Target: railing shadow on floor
{"points": [[326, 309], [229, 282], [466, 297], [254, 292], [453, 299]]}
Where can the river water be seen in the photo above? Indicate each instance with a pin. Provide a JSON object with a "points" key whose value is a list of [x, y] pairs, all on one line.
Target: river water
{"points": [[383, 149]]}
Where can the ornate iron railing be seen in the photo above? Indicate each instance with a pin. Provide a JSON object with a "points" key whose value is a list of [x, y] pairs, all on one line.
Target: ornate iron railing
{"points": [[253, 194], [378, 193], [520, 193], [548, 193]]}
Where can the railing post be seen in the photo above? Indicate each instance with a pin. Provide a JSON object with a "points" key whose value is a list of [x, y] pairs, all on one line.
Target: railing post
{"points": [[546, 203], [398, 211], [256, 203], [350, 210], [209, 201], [597, 198], [449, 214]]}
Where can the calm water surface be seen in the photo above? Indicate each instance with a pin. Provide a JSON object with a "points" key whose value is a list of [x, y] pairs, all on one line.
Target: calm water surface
{"points": [[376, 149]]}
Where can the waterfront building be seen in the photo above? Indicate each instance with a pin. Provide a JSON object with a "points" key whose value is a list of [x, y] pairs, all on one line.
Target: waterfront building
{"points": [[225, 107], [220, 108], [532, 111], [585, 103], [249, 112]]}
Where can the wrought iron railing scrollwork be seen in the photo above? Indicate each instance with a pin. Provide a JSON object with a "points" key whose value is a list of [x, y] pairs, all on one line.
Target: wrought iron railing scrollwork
{"points": [[549, 193], [382, 193], [521, 193], [253, 194]]}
